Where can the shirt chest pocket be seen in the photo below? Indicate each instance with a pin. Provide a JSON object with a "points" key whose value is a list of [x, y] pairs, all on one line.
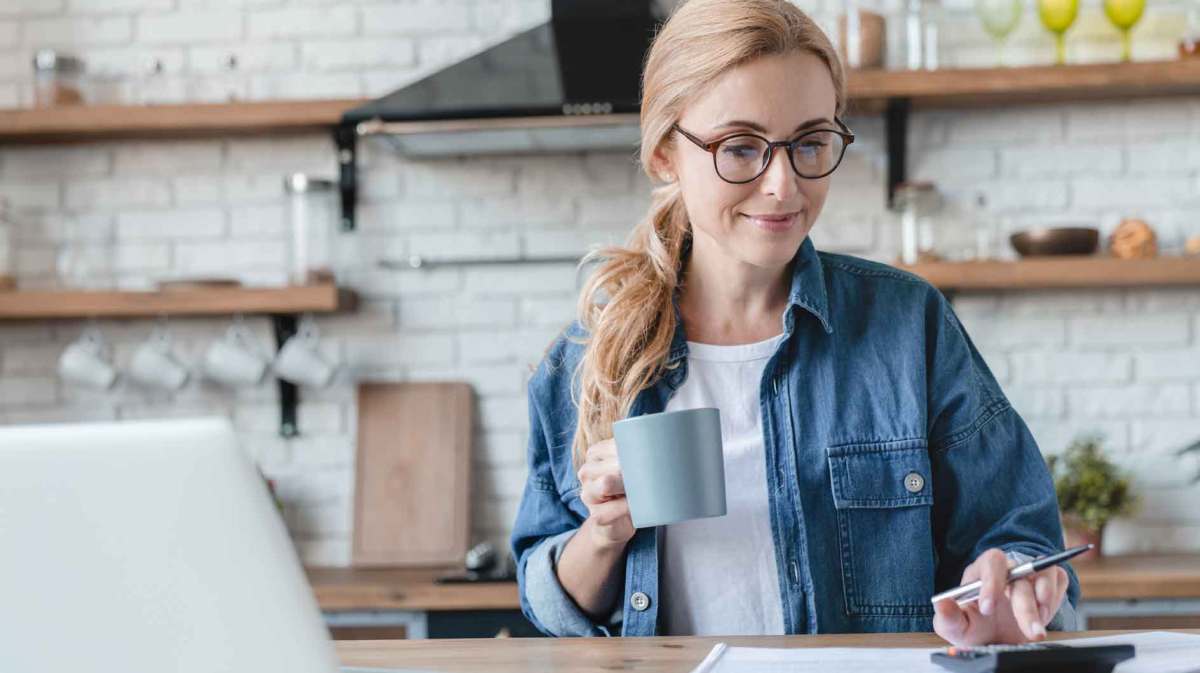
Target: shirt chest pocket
{"points": [[883, 496]]}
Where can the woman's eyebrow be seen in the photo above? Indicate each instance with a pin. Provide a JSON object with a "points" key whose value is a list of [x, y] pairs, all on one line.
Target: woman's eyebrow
{"points": [[758, 127]]}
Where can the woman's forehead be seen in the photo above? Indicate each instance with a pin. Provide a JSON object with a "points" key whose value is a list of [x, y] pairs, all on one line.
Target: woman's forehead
{"points": [[778, 92]]}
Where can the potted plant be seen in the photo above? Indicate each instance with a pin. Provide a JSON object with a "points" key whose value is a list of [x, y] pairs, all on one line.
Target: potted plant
{"points": [[1091, 491]]}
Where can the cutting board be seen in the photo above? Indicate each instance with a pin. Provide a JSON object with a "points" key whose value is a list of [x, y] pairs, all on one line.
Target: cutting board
{"points": [[413, 475]]}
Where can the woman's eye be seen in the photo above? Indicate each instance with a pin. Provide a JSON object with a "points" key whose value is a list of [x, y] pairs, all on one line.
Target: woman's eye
{"points": [[740, 151], [811, 148]]}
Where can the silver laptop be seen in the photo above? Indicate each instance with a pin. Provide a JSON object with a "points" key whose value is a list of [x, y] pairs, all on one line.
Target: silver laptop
{"points": [[147, 547]]}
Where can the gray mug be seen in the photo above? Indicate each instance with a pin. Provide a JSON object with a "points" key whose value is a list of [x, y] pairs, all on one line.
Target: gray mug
{"points": [[673, 465]]}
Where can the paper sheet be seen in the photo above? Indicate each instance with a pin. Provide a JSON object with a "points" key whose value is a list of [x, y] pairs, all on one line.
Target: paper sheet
{"points": [[1157, 652]]}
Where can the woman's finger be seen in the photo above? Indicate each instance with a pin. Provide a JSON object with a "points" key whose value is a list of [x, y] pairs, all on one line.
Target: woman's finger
{"points": [[950, 622], [1025, 609], [610, 512], [1045, 589], [611, 485], [993, 573]]}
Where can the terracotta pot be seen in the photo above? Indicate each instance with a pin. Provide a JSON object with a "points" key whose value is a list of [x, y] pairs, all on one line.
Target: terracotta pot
{"points": [[1077, 534]]}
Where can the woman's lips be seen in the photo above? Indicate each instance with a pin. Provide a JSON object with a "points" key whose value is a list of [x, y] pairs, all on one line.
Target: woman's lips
{"points": [[775, 224]]}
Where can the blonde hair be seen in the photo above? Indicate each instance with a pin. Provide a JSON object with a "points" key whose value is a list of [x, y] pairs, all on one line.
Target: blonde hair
{"points": [[627, 306]]}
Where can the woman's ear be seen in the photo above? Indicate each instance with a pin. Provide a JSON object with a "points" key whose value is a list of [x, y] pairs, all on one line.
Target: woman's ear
{"points": [[662, 166]]}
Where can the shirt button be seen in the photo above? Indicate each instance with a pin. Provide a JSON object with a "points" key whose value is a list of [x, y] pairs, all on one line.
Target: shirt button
{"points": [[914, 482], [639, 601]]}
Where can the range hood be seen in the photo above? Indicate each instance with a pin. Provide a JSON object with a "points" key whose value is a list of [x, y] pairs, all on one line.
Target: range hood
{"points": [[570, 84]]}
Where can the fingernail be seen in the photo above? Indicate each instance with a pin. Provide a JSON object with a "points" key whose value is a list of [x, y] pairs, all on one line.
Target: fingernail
{"points": [[985, 606], [1039, 630]]}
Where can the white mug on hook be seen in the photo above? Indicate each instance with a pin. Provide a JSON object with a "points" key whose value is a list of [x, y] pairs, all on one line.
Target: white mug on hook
{"points": [[154, 365], [299, 360], [235, 359], [87, 362]]}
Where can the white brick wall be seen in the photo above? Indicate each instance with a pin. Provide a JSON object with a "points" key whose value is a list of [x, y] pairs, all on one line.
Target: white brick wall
{"points": [[1124, 362]]}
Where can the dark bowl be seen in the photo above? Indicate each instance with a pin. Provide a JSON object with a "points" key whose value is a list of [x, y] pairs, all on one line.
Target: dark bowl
{"points": [[1056, 241]]}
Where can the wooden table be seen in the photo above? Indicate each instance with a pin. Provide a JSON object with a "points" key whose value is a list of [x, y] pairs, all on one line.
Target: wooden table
{"points": [[600, 655], [1141, 591]]}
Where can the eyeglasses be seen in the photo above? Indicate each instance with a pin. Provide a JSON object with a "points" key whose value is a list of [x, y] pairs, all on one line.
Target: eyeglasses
{"points": [[742, 157]]}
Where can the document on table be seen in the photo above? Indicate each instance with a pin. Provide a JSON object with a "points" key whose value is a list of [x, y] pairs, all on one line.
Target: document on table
{"points": [[1156, 652]]}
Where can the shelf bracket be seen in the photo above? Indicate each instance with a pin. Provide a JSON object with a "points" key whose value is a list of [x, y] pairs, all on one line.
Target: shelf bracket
{"points": [[896, 132], [284, 325], [346, 138]]}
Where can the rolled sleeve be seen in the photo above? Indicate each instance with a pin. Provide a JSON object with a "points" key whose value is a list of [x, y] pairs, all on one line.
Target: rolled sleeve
{"points": [[543, 527], [546, 597]]}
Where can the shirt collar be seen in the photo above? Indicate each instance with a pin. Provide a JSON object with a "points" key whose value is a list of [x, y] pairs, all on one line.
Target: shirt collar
{"points": [[808, 291]]}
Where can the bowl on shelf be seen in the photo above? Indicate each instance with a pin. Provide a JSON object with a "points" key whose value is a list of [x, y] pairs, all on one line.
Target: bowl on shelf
{"points": [[1056, 241]]}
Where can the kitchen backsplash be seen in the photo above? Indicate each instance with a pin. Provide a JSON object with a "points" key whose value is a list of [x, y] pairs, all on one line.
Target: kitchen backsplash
{"points": [[1125, 362]]}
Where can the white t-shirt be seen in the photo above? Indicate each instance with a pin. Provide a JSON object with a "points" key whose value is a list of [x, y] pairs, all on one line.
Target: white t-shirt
{"points": [[718, 575]]}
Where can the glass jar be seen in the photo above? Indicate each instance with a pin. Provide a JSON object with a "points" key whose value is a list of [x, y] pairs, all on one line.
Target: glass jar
{"points": [[921, 18], [57, 79], [862, 35], [88, 263], [311, 228], [8, 250], [918, 205]]}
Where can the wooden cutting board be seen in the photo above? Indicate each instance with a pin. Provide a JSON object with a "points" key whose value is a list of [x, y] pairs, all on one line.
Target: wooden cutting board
{"points": [[413, 475]]}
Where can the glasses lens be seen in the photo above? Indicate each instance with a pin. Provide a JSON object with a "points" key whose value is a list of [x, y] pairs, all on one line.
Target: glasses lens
{"points": [[817, 153], [740, 158]]}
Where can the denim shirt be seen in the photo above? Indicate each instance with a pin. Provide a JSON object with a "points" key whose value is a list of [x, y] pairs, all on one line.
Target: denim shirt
{"points": [[893, 461]]}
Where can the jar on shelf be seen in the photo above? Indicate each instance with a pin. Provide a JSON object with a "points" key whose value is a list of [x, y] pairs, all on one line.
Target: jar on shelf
{"points": [[8, 250], [918, 205], [57, 79], [862, 35], [311, 228], [921, 19]]}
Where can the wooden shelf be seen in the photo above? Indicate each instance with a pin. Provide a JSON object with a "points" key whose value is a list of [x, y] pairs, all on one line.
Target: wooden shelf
{"points": [[54, 304], [973, 87], [84, 122], [868, 90], [1061, 272]]}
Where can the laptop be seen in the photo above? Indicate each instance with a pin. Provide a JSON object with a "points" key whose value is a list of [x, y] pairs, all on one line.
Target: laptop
{"points": [[147, 547]]}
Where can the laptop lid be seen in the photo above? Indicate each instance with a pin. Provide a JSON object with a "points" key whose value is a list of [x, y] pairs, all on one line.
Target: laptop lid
{"points": [[147, 546]]}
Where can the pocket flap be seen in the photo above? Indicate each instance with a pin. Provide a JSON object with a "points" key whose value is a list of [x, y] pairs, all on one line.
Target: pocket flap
{"points": [[881, 474]]}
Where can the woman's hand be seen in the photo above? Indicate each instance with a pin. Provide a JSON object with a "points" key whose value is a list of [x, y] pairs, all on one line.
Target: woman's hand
{"points": [[602, 490], [1005, 613]]}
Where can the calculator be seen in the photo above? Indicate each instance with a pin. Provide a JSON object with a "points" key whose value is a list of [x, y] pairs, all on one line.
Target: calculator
{"points": [[1032, 658]]}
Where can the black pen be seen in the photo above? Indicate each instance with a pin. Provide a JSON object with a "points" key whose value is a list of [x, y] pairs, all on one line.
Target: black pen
{"points": [[968, 593]]}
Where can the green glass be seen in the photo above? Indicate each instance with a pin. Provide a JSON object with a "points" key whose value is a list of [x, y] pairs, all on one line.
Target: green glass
{"points": [[999, 19], [1057, 16], [1124, 14]]}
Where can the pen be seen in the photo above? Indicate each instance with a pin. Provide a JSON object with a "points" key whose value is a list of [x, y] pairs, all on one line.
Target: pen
{"points": [[968, 593]]}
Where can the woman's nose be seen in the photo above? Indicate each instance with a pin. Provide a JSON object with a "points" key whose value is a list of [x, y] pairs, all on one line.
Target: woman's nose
{"points": [[779, 180]]}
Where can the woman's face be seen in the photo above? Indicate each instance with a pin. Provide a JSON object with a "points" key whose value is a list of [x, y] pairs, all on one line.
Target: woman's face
{"points": [[762, 222]]}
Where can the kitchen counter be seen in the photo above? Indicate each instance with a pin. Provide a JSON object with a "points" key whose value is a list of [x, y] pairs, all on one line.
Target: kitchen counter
{"points": [[388, 603], [1143, 591], [1140, 577], [350, 589]]}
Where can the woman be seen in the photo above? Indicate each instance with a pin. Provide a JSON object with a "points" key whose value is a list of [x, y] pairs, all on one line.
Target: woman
{"points": [[871, 458]]}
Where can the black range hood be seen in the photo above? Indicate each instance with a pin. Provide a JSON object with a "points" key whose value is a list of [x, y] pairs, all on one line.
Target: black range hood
{"points": [[573, 83]]}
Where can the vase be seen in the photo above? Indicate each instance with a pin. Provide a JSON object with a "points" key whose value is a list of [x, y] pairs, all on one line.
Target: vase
{"points": [[1076, 534]]}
